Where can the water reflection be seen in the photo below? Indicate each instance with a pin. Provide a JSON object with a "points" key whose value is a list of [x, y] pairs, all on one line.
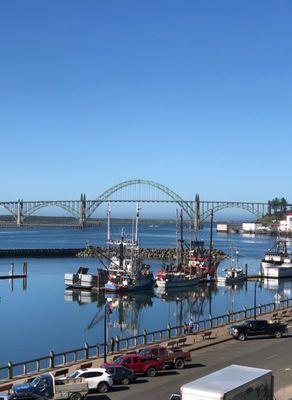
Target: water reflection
{"points": [[80, 296], [282, 286]]}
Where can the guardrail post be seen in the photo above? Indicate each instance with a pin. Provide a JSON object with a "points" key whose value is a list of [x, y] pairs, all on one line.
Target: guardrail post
{"points": [[211, 321], [10, 369], [168, 330], [52, 363], [144, 337], [86, 352]]}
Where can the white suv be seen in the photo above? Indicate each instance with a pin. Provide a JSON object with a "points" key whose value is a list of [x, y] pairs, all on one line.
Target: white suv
{"points": [[97, 378]]}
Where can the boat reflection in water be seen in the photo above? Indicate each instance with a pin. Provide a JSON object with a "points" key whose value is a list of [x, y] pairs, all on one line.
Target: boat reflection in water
{"points": [[282, 286], [129, 310], [189, 303], [84, 296]]}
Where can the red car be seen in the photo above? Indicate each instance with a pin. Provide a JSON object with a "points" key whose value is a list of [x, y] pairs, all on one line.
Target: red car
{"points": [[175, 358], [139, 364]]}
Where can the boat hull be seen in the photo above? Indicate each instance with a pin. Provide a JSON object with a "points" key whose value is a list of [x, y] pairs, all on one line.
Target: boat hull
{"points": [[111, 287], [86, 281], [167, 284], [274, 271]]}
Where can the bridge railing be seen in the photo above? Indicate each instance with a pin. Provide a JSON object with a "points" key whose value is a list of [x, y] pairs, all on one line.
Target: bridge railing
{"points": [[89, 352]]}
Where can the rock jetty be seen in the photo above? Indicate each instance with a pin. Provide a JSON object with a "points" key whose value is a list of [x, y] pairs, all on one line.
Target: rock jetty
{"points": [[165, 254]]}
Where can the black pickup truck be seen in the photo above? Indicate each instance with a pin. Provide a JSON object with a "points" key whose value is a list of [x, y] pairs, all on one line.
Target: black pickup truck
{"points": [[257, 327]]}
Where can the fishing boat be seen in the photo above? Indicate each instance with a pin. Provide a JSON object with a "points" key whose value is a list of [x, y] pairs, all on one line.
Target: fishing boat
{"points": [[277, 263], [127, 272], [82, 279], [181, 274], [168, 278], [232, 276]]}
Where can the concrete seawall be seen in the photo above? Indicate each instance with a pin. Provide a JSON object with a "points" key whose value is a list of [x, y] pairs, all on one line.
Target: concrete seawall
{"points": [[5, 253]]}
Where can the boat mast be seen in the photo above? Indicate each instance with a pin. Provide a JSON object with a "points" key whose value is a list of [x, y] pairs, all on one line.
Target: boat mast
{"points": [[121, 252], [109, 214], [181, 240], [211, 242]]}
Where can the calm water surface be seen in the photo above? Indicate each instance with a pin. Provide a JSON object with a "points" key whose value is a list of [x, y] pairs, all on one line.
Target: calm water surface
{"points": [[39, 315]]}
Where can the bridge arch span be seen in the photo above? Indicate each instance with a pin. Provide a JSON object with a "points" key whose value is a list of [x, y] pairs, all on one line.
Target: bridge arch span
{"points": [[6, 207], [174, 197], [42, 204], [253, 209]]}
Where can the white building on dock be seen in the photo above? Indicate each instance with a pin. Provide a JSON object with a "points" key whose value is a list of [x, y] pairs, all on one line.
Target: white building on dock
{"points": [[286, 224], [251, 227]]}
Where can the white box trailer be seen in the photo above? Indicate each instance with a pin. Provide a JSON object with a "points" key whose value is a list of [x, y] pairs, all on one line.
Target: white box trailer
{"points": [[235, 382]]}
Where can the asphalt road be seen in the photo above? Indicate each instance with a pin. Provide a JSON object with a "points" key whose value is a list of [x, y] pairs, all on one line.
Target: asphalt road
{"points": [[269, 353]]}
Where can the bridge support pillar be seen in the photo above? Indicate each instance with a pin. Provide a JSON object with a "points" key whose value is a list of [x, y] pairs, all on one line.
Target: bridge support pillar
{"points": [[19, 213], [82, 211], [197, 216]]}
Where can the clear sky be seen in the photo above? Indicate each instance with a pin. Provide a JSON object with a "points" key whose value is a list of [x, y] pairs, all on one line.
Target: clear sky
{"points": [[196, 95]]}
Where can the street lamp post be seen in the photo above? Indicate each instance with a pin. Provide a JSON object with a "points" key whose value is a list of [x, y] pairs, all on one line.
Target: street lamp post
{"points": [[107, 311], [105, 332], [255, 298]]}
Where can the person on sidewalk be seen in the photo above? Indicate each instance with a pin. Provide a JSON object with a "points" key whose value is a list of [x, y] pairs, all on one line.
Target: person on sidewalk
{"points": [[191, 325], [112, 342], [185, 328]]}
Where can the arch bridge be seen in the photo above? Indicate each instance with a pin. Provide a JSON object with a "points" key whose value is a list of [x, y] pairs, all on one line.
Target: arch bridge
{"points": [[132, 191]]}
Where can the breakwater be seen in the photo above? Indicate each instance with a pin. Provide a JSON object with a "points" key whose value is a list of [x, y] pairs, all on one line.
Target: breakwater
{"points": [[165, 254]]}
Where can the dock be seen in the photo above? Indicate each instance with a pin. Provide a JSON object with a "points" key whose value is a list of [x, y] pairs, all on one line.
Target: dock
{"points": [[12, 275]]}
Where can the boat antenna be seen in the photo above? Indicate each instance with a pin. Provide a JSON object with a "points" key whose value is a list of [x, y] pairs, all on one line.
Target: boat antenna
{"points": [[137, 222]]}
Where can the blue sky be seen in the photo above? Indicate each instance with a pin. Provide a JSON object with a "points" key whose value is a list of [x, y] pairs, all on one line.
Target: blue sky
{"points": [[196, 95]]}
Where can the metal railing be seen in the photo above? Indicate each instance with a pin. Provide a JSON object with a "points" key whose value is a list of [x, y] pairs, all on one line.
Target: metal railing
{"points": [[90, 352]]}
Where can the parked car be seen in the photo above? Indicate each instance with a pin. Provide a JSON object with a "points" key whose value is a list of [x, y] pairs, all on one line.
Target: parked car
{"points": [[121, 375], [175, 358], [46, 386], [257, 327], [97, 378], [138, 363]]}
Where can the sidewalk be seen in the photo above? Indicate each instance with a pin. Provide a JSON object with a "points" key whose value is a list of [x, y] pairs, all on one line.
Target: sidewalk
{"points": [[193, 342]]}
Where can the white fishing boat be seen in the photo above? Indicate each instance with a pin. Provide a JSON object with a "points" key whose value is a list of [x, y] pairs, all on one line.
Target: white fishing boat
{"points": [[169, 279], [277, 264], [232, 276], [82, 279]]}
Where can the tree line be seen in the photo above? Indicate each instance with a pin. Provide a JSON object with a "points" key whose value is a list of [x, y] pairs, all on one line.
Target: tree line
{"points": [[278, 205]]}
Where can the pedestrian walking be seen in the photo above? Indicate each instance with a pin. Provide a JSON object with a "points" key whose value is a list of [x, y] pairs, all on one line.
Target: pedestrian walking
{"points": [[112, 342], [191, 325], [185, 328]]}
